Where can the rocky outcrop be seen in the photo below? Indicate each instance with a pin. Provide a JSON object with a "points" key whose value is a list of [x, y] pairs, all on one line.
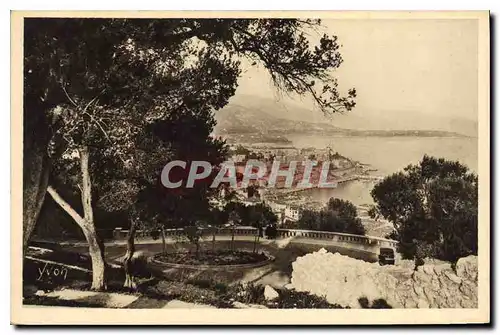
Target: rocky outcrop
{"points": [[270, 293], [343, 280]]}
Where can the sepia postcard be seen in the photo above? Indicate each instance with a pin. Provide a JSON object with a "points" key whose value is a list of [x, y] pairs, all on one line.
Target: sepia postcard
{"points": [[250, 168]]}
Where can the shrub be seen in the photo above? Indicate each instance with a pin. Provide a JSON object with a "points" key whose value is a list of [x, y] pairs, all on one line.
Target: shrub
{"points": [[201, 283], [244, 293], [254, 294], [380, 303], [376, 304], [364, 302], [155, 234], [271, 232], [140, 267], [338, 216], [433, 206], [295, 299], [220, 287]]}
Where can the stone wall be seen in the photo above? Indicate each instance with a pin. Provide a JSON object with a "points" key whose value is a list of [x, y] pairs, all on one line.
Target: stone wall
{"points": [[343, 280]]}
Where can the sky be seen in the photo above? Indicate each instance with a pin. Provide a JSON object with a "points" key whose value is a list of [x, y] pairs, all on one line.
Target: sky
{"points": [[424, 67]]}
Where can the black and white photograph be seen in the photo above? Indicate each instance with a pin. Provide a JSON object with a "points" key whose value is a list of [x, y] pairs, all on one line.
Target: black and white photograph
{"points": [[213, 162]]}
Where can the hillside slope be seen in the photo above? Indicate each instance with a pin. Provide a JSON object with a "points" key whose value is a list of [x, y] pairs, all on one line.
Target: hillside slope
{"points": [[258, 118]]}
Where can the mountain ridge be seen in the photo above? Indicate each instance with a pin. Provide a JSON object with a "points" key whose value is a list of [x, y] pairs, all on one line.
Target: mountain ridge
{"points": [[360, 118], [236, 119]]}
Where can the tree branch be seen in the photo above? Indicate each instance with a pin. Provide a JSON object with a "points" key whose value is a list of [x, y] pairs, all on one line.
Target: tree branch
{"points": [[66, 206], [92, 101], [67, 95]]}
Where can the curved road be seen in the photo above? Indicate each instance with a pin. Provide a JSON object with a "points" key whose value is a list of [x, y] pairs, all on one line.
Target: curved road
{"points": [[277, 273], [148, 247]]}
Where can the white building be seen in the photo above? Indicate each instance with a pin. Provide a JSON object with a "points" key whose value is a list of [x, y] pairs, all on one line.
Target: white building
{"points": [[277, 208], [238, 158], [292, 213]]}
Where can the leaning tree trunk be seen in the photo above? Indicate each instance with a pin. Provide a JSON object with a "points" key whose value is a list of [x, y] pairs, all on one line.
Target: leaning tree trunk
{"points": [[127, 261], [86, 223], [36, 167], [95, 246]]}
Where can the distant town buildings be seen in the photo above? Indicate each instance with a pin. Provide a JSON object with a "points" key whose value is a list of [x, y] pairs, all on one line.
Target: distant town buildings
{"points": [[238, 158], [292, 213], [277, 208], [285, 212], [288, 211]]}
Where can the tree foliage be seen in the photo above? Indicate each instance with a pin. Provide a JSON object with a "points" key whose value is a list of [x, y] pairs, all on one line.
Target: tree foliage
{"points": [[257, 215], [128, 95], [338, 216], [138, 63], [261, 215], [121, 75], [433, 206]]}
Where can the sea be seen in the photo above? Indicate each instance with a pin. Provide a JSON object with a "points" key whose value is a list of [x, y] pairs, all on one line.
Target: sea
{"points": [[385, 155]]}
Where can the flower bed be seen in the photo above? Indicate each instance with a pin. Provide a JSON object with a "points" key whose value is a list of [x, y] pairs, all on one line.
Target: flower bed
{"points": [[212, 258]]}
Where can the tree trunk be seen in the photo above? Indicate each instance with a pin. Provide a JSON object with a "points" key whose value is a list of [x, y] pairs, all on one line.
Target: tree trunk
{"points": [[96, 247], [86, 223], [95, 250], [35, 182], [98, 263], [232, 239], [36, 168], [127, 261], [257, 238], [163, 240], [213, 240]]}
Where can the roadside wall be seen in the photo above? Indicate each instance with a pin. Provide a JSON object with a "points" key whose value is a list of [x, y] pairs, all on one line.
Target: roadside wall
{"points": [[344, 280]]}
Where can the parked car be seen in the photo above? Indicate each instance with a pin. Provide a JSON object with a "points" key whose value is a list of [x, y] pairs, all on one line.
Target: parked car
{"points": [[386, 256]]}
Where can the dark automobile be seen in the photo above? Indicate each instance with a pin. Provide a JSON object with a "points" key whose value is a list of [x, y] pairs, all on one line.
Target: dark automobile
{"points": [[386, 256]]}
